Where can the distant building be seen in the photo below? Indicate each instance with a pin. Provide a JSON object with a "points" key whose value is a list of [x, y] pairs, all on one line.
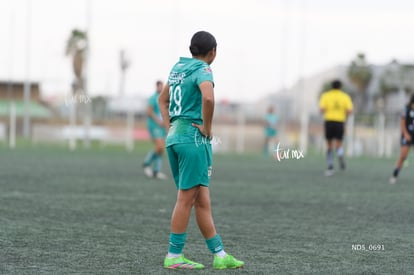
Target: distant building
{"points": [[14, 92]]}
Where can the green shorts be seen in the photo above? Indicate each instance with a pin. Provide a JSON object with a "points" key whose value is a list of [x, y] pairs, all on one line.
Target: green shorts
{"points": [[157, 132], [191, 164], [270, 132]]}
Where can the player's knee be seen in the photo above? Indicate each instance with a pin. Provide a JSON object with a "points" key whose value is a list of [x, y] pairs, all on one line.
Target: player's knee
{"points": [[159, 150], [186, 202], [199, 204]]}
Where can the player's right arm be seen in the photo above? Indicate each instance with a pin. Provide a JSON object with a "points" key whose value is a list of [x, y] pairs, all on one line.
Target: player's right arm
{"points": [[322, 104], [164, 103], [151, 114]]}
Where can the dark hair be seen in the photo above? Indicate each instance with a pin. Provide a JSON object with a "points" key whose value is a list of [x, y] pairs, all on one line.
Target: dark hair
{"points": [[336, 84], [201, 43], [159, 82]]}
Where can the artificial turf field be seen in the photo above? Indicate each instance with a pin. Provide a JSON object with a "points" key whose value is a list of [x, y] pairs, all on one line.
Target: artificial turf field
{"points": [[94, 212]]}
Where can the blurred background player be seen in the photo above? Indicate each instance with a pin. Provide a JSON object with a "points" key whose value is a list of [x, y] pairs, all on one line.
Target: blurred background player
{"points": [[153, 160], [407, 137], [187, 102], [336, 105], [270, 130]]}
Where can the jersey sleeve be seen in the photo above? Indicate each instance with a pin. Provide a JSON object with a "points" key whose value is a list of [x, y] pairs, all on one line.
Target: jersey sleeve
{"points": [[322, 102], [152, 102], [204, 74]]}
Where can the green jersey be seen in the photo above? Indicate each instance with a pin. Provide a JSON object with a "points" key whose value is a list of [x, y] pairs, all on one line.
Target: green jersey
{"points": [[186, 99], [153, 102]]}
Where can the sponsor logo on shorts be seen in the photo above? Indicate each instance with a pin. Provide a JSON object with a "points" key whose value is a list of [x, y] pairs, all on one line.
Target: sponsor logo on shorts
{"points": [[210, 171]]}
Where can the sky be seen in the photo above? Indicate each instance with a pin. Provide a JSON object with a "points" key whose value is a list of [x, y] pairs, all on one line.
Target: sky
{"points": [[263, 45]]}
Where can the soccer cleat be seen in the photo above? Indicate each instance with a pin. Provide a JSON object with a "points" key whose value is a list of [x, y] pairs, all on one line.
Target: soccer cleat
{"points": [[181, 263], [160, 176], [226, 262], [148, 171], [329, 172], [393, 180]]}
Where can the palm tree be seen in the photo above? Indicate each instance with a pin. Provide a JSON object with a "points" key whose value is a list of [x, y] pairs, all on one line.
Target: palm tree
{"points": [[396, 81], [397, 77], [76, 47], [360, 74]]}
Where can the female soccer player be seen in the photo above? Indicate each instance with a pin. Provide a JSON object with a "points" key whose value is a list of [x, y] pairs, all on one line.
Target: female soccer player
{"points": [[187, 106], [157, 131], [270, 129], [407, 137]]}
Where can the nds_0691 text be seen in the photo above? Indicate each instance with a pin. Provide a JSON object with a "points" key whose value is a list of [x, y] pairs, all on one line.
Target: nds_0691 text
{"points": [[368, 247]]}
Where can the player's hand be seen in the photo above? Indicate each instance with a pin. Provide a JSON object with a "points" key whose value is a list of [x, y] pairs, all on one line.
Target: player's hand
{"points": [[203, 131], [407, 137]]}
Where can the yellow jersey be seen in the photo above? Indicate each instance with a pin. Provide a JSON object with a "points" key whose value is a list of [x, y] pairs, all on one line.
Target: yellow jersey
{"points": [[335, 104]]}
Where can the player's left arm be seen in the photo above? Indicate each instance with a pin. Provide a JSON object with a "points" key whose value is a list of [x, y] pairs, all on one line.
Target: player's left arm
{"points": [[164, 104], [207, 93]]}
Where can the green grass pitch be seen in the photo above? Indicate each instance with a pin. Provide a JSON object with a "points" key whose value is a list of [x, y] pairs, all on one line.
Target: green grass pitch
{"points": [[94, 212]]}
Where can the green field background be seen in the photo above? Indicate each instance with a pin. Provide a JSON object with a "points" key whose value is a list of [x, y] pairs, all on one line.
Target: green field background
{"points": [[94, 212]]}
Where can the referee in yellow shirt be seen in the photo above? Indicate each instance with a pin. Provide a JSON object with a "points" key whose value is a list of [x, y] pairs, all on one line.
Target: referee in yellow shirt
{"points": [[336, 105]]}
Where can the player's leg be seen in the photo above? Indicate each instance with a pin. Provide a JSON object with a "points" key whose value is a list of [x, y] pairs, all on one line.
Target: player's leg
{"points": [[179, 222], [185, 196], [272, 144], [266, 146], [157, 164], [182, 209], [202, 205], [329, 135], [204, 217], [148, 161], [329, 149], [180, 217], [339, 135], [329, 158], [403, 155], [340, 153], [150, 156], [270, 135], [203, 214]]}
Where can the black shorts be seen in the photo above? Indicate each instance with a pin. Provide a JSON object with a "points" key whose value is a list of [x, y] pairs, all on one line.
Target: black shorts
{"points": [[334, 130], [404, 142]]}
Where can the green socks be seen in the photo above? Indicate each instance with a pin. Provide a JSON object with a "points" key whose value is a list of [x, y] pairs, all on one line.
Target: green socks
{"points": [[177, 242]]}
